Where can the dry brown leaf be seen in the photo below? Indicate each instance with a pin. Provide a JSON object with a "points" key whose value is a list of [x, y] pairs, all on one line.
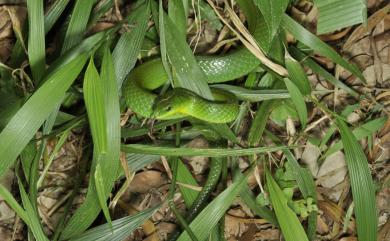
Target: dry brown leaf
{"points": [[372, 22], [146, 180]]}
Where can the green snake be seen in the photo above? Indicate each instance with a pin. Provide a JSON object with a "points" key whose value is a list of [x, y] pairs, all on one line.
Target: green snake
{"points": [[139, 96]]}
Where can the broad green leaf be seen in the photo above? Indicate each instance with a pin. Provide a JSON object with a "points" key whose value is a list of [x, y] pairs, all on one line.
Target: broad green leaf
{"points": [[111, 163], [185, 176], [107, 160], [273, 12], [129, 44], [253, 95], [100, 186], [363, 190], [288, 221], [336, 14], [54, 13], [208, 14], [36, 39], [210, 216], [317, 45], [189, 74], [77, 25], [298, 100], [25, 123], [94, 102], [367, 129], [297, 75], [120, 230], [184, 151], [178, 15]]}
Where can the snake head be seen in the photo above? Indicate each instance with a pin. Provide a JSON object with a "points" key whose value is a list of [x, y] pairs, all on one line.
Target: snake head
{"points": [[171, 105]]}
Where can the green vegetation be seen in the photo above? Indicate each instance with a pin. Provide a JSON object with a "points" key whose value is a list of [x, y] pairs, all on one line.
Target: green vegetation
{"points": [[78, 87]]}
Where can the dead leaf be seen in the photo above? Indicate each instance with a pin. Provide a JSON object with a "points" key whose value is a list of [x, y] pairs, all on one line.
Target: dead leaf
{"points": [[146, 180]]}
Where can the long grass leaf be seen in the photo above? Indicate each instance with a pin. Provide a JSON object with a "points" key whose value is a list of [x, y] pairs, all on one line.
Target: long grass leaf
{"points": [[337, 14], [318, 69], [259, 122], [24, 124], [298, 100], [129, 44], [184, 176], [94, 102], [78, 22], [120, 230], [272, 12], [36, 39], [360, 132], [184, 151], [209, 217], [363, 191], [112, 116], [253, 95], [54, 13], [11, 201], [297, 75], [189, 74], [34, 221], [316, 44], [289, 223]]}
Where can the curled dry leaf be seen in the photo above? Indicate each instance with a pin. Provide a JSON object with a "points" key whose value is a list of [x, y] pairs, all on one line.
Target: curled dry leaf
{"points": [[146, 180]]}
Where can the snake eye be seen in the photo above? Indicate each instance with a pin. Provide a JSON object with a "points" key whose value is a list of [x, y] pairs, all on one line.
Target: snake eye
{"points": [[168, 108]]}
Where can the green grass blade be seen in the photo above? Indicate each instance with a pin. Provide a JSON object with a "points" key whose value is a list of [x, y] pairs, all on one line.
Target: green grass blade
{"points": [[112, 116], [318, 69], [185, 176], [298, 100], [338, 14], [259, 122], [129, 44], [272, 12], [100, 189], [25, 123], [297, 75], [178, 15], [316, 44], [11, 201], [54, 153], [34, 221], [253, 95], [86, 214], [289, 223], [307, 187], [94, 102], [209, 217], [183, 151], [77, 25], [36, 39], [363, 190], [121, 228], [189, 74], [54, 13], [367, 129]]}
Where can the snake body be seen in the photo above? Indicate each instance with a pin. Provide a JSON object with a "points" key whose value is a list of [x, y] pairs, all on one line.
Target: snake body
{"points": [[179, 102]]}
